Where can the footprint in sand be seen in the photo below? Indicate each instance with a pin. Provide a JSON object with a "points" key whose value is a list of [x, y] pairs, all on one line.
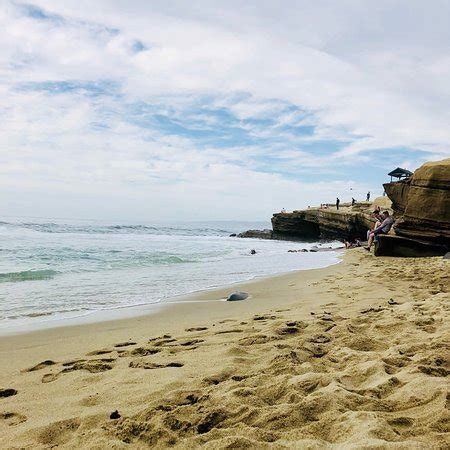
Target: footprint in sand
{"points": [[291, 327], [41, 365], [161, 341], [103, 351], [191, 342], [125, 344], [150, 365], [216, 379], [235, 330], [92, 366], [434, 371], [9, 392], [58, 433], [11, 418], [265, 317], [255, 339], [141, 351]]}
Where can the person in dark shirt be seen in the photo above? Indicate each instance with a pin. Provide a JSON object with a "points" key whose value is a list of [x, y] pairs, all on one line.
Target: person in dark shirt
{"points": [[353, 201], [368, 196], [383, 228], [337, 203]]}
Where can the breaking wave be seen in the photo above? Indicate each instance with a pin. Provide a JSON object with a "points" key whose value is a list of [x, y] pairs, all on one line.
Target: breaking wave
{"points": [[27, 275]]}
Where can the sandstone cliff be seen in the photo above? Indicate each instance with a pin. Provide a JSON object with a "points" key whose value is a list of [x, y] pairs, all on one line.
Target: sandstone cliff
{"points": [[422, 203], [346, 223]]}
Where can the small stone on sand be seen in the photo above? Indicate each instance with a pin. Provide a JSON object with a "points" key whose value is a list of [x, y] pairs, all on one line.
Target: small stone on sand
{"points": [[236, 296]]}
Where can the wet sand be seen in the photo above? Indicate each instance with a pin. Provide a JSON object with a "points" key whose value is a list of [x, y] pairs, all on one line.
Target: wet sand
{"points": [[356, 354]]}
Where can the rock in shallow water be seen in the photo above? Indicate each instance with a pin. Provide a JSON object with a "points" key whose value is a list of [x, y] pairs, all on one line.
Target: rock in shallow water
{"points": [[236, 296]]}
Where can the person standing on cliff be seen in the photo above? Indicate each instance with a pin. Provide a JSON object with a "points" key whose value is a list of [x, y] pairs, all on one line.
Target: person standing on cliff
{"points": [[368, 196], [353, 201], [337, 203]]}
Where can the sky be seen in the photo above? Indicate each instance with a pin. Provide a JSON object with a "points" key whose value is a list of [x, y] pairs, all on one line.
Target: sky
{"points": [[215, 110]]}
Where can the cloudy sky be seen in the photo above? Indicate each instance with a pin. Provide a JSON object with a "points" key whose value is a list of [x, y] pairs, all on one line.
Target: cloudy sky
{"points": [[166, 110]]}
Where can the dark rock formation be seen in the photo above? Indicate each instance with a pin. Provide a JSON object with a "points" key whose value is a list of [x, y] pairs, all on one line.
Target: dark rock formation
{"points": [[257, 234], [314, 223], [390, 245], [422, 203]]}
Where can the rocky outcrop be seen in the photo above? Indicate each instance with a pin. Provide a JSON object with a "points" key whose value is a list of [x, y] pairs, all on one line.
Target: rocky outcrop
{"points": [[422, 204], [391, 245], [346, 223], [257, 234]]}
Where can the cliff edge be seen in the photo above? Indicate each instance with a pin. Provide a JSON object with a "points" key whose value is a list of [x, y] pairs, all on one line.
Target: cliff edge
{"points": [[349, 222], [422, 203]]}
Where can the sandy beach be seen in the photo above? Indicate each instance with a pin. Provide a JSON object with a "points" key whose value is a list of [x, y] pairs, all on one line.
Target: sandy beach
{"points": [[351, 356]]}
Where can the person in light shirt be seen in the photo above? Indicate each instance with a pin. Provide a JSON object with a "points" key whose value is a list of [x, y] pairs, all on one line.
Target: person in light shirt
{"points": [[383, 228]]}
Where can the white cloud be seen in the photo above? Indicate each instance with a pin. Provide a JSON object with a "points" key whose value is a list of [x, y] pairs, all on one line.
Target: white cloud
{"points": [[370, 76]]}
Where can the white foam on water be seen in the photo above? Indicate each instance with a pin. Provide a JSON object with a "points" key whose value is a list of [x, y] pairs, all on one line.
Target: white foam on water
{"points": [[57, 270]]}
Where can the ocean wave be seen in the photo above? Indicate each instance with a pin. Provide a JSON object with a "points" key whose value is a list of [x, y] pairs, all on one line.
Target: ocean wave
{"points": [[27, 275], [51, 227]]}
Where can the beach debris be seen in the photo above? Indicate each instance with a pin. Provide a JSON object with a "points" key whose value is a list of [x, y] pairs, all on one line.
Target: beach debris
{"points": [[196, 329], [253, 252], [7, 392], [236, 296], [115, 415], [233, 235], [391, 301]]}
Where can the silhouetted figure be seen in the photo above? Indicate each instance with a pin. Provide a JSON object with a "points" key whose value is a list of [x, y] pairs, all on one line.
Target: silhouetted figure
{"points": [[337, 203], [368, 196], [353, 201]]}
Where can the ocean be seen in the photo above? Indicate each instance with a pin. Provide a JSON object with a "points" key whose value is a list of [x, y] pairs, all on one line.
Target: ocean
{"points": [[59, 269]]}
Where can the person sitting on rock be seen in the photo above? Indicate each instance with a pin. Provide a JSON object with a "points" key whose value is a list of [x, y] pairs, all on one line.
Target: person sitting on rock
{"points": [[352, 244], [379, 218], [383, 228]]}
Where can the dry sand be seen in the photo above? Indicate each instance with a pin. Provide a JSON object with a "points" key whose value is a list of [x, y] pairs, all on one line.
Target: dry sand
{"points": [[314, 359]]}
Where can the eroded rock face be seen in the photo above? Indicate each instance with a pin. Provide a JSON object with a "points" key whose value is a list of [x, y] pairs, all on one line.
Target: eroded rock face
{"points": [[256, 234], [422, 203], [389, 245], [348, 223]]}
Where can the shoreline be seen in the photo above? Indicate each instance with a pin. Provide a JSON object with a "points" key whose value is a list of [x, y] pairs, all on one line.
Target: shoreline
{"points": [[311, 359], [131, 311]]}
